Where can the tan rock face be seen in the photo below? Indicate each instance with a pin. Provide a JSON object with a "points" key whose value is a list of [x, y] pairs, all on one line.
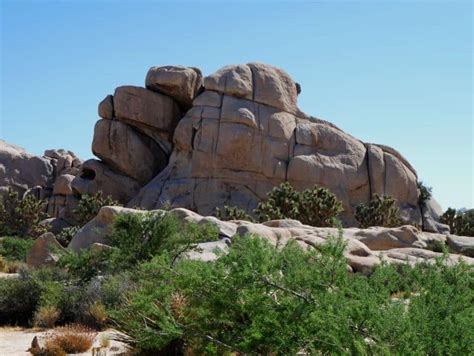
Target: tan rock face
{"points": [[127, 150], [178, 82], [245, 134], [45, 251]]}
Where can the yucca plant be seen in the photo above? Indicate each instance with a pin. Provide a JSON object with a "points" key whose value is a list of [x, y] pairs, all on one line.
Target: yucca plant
{"points": [[379, 211]]}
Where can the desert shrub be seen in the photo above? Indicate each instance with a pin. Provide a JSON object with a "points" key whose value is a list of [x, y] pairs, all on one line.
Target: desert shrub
{"points": [[264, 300], [46, 316], [66, 235], [114, 287], [314, 206], [139, 237], [19, 298], [379, 211], [21, 216], [8, 266], [89, 206], [425, 193], [86, 264], [96, 315], [232, 213], [460, 222], [49, 349], [72, 339], [15, 249]]}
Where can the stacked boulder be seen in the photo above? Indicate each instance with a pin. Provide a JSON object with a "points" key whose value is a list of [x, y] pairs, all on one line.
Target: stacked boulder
{"points": [[134, 136], [47, 178]]}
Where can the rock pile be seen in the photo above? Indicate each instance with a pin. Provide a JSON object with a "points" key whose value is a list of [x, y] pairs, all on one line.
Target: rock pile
{"points": [[365, 248], [48, 177]]}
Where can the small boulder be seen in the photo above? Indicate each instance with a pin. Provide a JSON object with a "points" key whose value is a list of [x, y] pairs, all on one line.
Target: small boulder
{"points": [[180, 83], [463, 245], [106, 108], [45, 251]]}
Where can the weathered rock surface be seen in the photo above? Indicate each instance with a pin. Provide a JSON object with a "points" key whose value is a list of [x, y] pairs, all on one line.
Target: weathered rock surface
{"points": [[365, 248], [178, 82], [45, 251], [97, 176], [245, 134], [463, 245], [127, 150]]}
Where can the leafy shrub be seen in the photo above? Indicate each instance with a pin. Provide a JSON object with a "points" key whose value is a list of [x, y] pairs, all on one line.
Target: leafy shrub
{"points": [[46, 316], [380, 211], [21, 216], [85, 264], [315, 206], [264, 300], [89, 206], [14, 248], [425, 193], [66, 235], [232, 213], [139, 237], [459, 222], [19, 298]]}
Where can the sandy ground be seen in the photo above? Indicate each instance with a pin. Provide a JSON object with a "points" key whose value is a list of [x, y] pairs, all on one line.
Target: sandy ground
{"points": [[16, 341]]}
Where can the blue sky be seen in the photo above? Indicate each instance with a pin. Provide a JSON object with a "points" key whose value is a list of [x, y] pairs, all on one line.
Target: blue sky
{"points": [[398, 73]]}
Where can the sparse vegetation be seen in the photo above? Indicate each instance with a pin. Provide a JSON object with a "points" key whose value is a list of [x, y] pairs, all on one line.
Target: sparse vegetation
{"points": [[315, 206], [21, 216], [425, 193], [380, 211], [460, 222], [89, 206]]}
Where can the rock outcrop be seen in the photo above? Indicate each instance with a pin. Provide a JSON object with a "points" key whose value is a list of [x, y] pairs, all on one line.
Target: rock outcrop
{"points": [[48, 177], [204, 142], [365, 248]]}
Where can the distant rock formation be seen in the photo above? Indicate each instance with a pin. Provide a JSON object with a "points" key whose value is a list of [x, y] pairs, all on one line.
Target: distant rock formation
{"points": [[226, 139], [48, 177]]}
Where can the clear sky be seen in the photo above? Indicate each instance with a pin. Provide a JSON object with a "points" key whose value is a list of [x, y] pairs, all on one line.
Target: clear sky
{"points": [[391, 72]]}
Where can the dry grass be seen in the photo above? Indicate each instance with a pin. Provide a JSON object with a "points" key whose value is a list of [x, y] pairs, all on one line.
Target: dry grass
{"points": [[46, 317], [7, 266], [71, 339], [97, 315]]}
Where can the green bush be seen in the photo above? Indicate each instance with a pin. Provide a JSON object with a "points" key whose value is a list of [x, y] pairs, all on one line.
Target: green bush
{"points": [[89, 206], [19, 298], [315, 206], [66, 235], [459, 222], [139, 237], [14, 248], [425, 193], [380, 211], [259, 299], [232, 213], [21, 216]]}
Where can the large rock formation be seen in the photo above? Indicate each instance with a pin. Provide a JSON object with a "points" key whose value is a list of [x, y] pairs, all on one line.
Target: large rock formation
{"points": [[226, 139]]}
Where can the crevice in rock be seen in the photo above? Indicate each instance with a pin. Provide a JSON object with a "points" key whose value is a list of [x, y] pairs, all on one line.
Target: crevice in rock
{"points": [[369, 172], [253, 82]]}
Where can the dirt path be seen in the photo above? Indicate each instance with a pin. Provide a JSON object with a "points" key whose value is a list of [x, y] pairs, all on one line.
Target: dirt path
{"points": [[16, 341]]}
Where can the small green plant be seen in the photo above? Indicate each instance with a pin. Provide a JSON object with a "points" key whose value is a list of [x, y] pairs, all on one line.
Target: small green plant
{"points": [[21, 216], [66, 235], [425, 193], [232, 213], [459, 222], [89, 206], [379, 211], [14, 248]]}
